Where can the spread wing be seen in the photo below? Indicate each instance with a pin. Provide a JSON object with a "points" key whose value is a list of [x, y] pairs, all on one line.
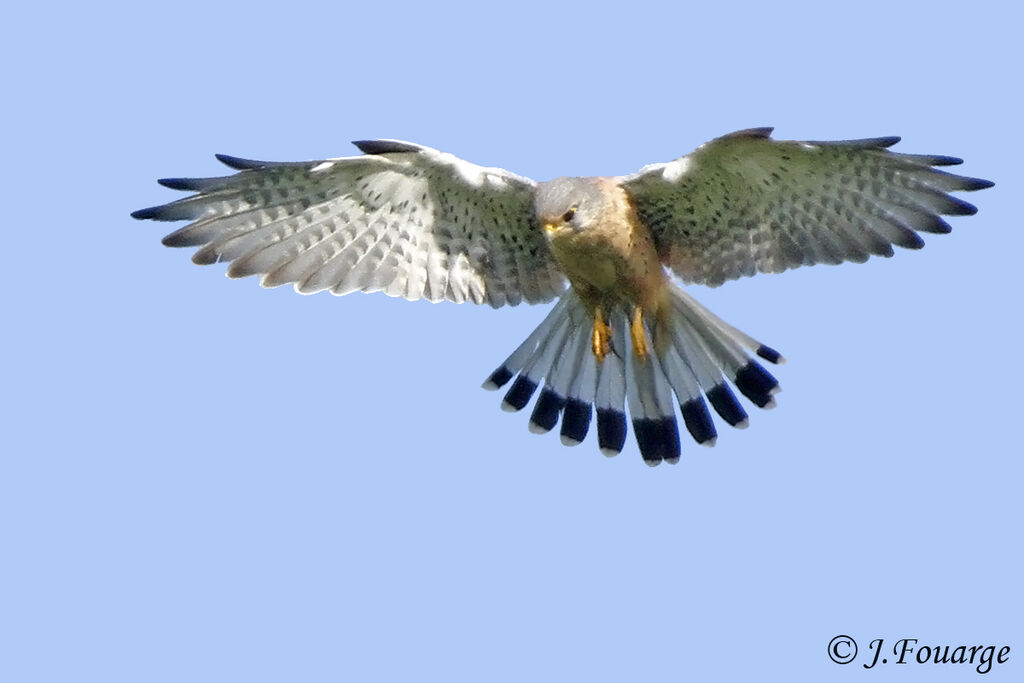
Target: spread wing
{"points": [[403, 219], [744, 203]]}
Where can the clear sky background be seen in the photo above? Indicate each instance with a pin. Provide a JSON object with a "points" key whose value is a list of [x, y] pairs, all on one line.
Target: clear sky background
{"points": [[202, 480]]}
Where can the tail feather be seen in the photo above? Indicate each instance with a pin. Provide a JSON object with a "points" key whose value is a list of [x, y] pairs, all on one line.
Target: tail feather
{"points": [[753, 381], [610, 399], [701, 357], [564, 369], [698, 421], [515, 362], [694, 352], [546, 411], [650, 405], [519, 394], [582, 391], [537, 366], [744, 339], [691, 400], [569, 366], [575, 421], [725, 404]]}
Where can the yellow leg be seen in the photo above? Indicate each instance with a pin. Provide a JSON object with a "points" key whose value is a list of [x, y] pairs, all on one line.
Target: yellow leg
{"points": [[636, 331], [602, 336]]}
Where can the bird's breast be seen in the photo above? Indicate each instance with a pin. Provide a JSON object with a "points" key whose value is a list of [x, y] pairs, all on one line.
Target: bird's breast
{"points": [[612, 261], [590, 257]]}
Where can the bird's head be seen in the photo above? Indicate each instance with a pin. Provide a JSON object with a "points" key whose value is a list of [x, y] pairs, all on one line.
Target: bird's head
{"points": [[567, 205]]}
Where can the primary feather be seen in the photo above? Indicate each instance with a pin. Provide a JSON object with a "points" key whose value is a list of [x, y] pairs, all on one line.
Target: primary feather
{"points": [[745, 204]]}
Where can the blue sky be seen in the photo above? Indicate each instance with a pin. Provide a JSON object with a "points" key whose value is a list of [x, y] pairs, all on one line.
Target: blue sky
{"points": [[202, 480]]}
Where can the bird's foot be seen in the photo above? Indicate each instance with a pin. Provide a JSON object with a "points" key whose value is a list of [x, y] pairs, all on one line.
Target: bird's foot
{"points": [[602, 340], [636, 331]]}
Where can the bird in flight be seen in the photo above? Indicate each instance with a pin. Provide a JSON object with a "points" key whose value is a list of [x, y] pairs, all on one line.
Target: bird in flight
{"points": [[414, 222]]}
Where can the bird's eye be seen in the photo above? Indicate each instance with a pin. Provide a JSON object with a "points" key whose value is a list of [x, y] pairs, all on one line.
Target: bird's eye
{"points": [[568, 215]]}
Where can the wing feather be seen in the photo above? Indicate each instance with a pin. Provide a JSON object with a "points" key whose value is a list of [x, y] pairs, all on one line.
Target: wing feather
{"points": [[744, 203], [403, 219]]}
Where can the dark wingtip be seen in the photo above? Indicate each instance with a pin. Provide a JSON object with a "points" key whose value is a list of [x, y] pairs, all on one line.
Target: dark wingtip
{"points": [[883, 142], [174, 240], [147, 213], [958, 207], [935, 225], [972, 184], [908, 239], [762, 132], [177, 183], [384, 146], [238, 163], [943, 160]]}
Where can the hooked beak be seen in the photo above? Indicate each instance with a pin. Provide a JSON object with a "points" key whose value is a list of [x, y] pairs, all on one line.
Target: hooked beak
{"points": [[550, 228]]}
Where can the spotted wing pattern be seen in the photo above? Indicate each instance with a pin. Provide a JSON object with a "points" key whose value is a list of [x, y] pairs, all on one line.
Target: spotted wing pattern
{"points": [[403, 219], [744, 203]]}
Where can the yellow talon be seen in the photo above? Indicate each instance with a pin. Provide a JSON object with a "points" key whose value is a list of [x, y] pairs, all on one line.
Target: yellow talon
{"points": [[602, 336], [636, 331]]}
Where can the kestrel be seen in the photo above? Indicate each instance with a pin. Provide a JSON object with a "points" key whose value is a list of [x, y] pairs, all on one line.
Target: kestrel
{"points": [[414, 222]]}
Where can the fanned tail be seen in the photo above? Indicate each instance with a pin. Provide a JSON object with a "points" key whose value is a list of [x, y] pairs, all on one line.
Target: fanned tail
{"points": [[696, 358]]}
